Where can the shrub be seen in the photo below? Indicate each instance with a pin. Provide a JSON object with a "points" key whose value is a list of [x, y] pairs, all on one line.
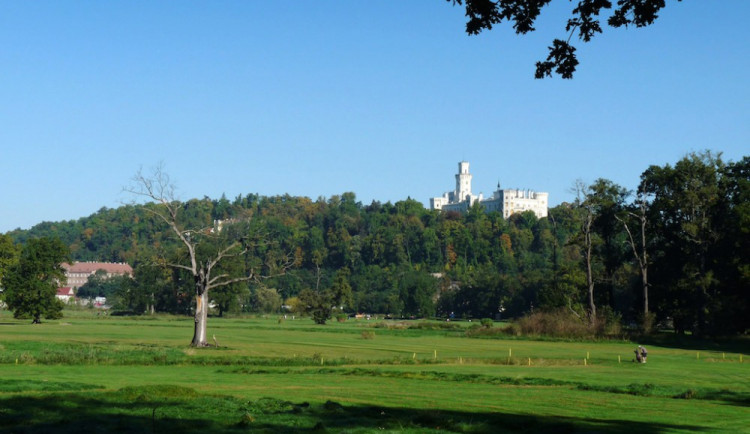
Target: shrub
{"points": [[486, 323], [341, 317], [421, 325], [608, 322], [368, 334], [564, 324], [476, 331], [246, 420], [688, 394], [555, 323], [646, 323], [26, 358], [431, 325]]}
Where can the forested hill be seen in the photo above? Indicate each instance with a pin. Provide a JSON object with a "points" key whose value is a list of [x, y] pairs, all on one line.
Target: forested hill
{"points": [[696, 216]]}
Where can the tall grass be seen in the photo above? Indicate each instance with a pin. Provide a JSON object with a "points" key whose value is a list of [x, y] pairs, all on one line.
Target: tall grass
{"points": [[556, 324]]}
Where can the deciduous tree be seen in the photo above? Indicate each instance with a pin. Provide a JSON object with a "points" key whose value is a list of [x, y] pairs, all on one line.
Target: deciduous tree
{"points": [[31, 284], [686, 214], [266, 300], [9, 253], [320, 304], [205, 250]]}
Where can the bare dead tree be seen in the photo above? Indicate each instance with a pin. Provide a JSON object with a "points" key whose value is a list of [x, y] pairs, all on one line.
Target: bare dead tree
{"points": [[587, 221], [642, 255], [158, 188], [588, 246]]}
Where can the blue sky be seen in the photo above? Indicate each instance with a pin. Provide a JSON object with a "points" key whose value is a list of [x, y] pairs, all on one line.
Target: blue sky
{"points": [[382, 98]]}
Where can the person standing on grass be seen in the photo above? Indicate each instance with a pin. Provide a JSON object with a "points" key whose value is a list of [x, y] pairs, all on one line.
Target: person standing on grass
{"points": [[638, 354], [644, 354]]}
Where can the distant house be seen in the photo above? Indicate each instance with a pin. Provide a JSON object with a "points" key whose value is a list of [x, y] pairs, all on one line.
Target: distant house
{"points": [[77, 274], [66, 294]]}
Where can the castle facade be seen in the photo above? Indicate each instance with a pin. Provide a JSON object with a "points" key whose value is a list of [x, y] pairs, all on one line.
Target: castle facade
{"points": [[504, 201]]}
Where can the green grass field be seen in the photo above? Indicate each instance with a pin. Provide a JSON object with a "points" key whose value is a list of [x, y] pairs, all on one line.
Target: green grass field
{"points": [[89, 374]]}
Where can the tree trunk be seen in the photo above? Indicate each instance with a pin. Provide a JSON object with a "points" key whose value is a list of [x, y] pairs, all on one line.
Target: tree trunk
{"points": [[201, 316], [590, 281], [589, 272], [317, 277], [641, 257], [644, 279], [644, 262]]}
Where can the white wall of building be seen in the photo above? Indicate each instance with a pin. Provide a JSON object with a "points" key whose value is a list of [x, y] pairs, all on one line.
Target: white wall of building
{"points": [[505, 201]]}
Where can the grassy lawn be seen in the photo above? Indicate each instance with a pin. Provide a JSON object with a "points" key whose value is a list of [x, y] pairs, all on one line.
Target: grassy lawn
{"points": [[107, 374]]}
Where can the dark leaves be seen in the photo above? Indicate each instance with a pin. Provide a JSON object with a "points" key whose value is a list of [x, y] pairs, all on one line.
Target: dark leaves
{"points": [[640, 13], [561, 58], [585, 23], [483, 14]]}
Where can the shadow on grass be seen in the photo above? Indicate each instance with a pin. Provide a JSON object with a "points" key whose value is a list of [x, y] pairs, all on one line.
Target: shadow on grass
{"points": [[169, 409], [124, 411], [24, 385], [335, 418], [726, 396]]}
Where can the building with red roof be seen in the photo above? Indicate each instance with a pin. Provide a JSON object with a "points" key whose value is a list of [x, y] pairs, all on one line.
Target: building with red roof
{"points": [[77, 274], [65, 294]]}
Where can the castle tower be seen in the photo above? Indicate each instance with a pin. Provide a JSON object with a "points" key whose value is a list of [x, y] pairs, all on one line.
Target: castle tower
{"points": [[463, 181], [506, 202]]}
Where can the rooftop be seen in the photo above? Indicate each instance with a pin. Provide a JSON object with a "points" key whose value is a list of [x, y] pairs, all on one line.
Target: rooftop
{"points": [[92, 267]]}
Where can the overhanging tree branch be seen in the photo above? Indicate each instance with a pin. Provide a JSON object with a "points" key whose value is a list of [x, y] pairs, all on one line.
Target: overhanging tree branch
{"points": [[484, 14]]}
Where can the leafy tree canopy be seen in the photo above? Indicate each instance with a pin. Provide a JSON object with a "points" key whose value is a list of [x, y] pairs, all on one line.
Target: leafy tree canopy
{"points": [[9, 253], [31, 284]]}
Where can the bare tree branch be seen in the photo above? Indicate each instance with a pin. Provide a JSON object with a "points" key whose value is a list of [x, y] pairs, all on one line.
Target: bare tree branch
{"points": [[158, 188], [231, 281], [180, 266]]}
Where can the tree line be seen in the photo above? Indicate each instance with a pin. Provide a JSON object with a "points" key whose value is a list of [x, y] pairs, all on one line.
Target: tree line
{"points": [[672, 251]]}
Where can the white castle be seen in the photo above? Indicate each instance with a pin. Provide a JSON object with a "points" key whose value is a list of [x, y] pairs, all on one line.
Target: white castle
{"points": [[504, 201]]}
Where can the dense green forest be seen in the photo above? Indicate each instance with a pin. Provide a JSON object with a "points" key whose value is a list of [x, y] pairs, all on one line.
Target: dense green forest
{"points": [[675, 250]]}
